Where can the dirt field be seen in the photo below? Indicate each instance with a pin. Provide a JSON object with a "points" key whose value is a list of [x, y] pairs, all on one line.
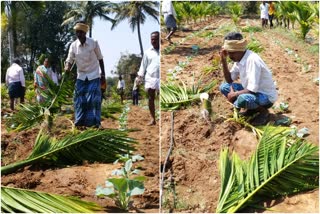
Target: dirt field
{"points": [[192, 181], [82, 180]]}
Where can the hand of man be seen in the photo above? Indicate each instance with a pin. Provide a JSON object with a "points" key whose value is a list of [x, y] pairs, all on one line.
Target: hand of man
{"points": [[140, 78], [67, 66], [223, 54], [103, 84], [232, 96]]}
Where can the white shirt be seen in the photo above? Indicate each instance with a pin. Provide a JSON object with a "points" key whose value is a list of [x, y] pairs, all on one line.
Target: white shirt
{"points": [[135, 84], [149, 68], [54, 78], [264, 11], [15, 74], [168, 9], [254, 75], [121, 84], [87, 58]]}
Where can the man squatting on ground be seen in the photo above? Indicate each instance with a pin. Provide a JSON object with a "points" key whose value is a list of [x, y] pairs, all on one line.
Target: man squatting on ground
{"points": [[87, 95], [257, 91], [149, 69]]}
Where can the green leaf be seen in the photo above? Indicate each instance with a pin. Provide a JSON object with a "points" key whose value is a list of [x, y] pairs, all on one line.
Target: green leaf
{"points": [[281, 165], [20, 200], [135, 187], [90, 145]]}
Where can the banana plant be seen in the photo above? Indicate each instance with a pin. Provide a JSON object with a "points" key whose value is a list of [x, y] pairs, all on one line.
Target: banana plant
{"points": [[14, 200], [281, 165], [90, 145], [173, 96]]}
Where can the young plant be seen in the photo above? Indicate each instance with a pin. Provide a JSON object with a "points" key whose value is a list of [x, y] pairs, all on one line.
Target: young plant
{"points": [[121, 189]]}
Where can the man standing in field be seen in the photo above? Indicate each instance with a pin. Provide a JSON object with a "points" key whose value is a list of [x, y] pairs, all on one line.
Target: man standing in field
{"points": [[169, 18], [15, 82], [257, 91], [87, 95], [149, 69], [264, 14]]}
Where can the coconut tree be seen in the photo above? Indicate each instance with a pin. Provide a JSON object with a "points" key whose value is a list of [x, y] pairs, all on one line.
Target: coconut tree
{"points": [[87, 11], [14, 200], [136, 13], [281, 165]]}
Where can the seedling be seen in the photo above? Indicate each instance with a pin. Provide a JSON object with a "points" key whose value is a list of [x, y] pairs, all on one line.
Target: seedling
{"points": [[283, 107], [122, 188]]}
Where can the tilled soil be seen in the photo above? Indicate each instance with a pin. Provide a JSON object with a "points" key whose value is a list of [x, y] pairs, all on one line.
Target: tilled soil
{"points": [[81, 181], [192, 180]]}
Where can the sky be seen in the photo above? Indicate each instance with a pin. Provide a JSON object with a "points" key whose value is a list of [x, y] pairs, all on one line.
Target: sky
{"points": [[121, 40]]}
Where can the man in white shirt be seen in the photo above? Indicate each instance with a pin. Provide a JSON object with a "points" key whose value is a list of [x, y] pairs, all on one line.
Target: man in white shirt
{"points": [[264, 13], [15, 82], [169, 15], [257, 91], [121, 86], [149, 69], [86, 53]]}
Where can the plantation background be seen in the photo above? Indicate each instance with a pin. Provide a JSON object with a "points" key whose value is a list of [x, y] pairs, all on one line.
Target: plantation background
{"points": [[192, 177]]}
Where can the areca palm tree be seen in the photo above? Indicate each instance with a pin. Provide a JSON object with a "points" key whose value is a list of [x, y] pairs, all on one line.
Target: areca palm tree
{"points": [[136, 12], [87, 11]]}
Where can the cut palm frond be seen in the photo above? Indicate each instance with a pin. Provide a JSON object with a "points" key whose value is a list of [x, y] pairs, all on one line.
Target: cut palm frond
{"points": [[280, 166], [14, 200], [107, 109], [90, 145], [29, 116], [174, 96]]}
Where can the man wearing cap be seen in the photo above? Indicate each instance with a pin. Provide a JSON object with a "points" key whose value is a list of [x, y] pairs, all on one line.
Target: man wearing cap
{"points": [[256, 91], [86, 53]]}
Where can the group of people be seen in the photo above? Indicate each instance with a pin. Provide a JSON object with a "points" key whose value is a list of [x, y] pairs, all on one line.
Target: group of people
{"points": [[90, 83], [86, 54], [267, 11], [15, 80]]}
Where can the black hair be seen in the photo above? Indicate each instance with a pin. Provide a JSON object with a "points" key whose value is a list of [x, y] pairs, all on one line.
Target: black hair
{"points": [[81, 21], [233, 36], [17, 61], [156, 32]]}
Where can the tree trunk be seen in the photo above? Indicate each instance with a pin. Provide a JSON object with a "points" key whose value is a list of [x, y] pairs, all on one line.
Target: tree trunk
{"points": [[139, 36], [8, 12], [90, 30]]}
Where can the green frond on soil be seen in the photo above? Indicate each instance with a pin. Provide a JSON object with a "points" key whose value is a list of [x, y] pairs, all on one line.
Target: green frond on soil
{"points": [[90, 145], [15, 200], [280, 166]]}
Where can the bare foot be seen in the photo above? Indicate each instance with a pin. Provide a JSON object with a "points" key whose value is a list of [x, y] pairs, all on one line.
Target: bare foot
{"points": [[152, 123]]}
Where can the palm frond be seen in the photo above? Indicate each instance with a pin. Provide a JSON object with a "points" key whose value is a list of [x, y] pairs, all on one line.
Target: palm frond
{"points": [[174, 96], [55, 96], [280, 166], [108, 109], [90, 145], [16, 200]]}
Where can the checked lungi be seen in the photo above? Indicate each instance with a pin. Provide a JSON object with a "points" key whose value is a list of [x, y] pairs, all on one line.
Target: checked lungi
{"points": [[87, 102], [246, 101]]}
